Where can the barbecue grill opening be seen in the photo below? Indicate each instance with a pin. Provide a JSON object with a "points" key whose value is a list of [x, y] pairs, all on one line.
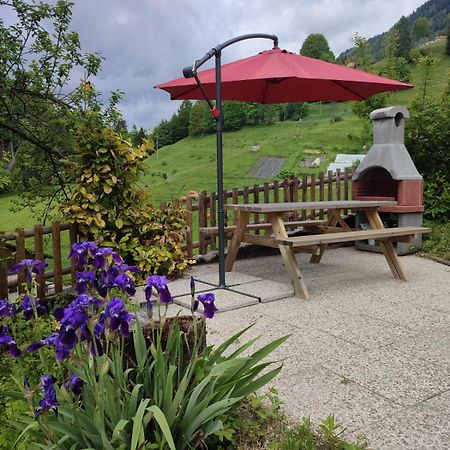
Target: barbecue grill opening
{"points": [[376, 183]]}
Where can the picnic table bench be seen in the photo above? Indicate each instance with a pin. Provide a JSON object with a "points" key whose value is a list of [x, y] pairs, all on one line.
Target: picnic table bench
{"points": [[334, 230]]}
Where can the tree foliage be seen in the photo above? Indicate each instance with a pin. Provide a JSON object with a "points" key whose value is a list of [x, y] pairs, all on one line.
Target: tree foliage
{"points": [[421, 29], [394, 67], [293, 111], [447, 48], [316, 46], [137, 137], [234, 115], [39, 104], [200, 119], [362, 59], [181, 120], [404, 39]]}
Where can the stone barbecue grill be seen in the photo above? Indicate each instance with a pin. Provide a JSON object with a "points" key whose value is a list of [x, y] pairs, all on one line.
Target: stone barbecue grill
{"points": [[388, 173]]}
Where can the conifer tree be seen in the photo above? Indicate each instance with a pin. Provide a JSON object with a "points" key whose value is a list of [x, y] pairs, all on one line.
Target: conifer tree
{"points": [[448, 40], [404, 39]]}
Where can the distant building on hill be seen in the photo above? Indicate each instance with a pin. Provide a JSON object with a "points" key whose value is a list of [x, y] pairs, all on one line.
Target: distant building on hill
{"points": [[342, 161]]}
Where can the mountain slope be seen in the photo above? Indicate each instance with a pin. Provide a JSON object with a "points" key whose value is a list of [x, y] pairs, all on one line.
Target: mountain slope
{"points": [[436, 11]]}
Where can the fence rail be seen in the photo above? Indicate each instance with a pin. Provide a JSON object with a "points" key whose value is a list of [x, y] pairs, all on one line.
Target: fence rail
{"points": [[201, 213], [51, 281]]}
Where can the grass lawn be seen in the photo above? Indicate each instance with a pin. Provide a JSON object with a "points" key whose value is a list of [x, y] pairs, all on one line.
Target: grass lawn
{"points": [[9, 220]]}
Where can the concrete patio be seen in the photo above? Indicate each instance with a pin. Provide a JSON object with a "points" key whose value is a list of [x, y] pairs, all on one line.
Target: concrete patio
{"points": [[370, 349]]}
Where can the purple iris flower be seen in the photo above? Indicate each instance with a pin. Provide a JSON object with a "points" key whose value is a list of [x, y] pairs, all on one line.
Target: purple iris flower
{"points": [[83, 279], [28, 305], [14, 351], [84, 301], [119, 318], [159, 282], [125, 283], [49, 341], [70, 317], [75, 384], [101, 255], [7, 309], [121, 268], [207, 300], [75, 318], [80, 251], [30, 266], [49, 401], [63, 341]]}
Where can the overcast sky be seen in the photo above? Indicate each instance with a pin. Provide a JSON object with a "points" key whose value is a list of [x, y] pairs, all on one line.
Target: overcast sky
{"points": [[145, 42]]}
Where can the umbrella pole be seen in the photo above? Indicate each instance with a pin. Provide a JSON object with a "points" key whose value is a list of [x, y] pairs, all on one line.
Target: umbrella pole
{"points": [[219, 150], [216, 111]]}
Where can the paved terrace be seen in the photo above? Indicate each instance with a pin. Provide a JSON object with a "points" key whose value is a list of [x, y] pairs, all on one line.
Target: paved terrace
{"points": [[368, 348]]}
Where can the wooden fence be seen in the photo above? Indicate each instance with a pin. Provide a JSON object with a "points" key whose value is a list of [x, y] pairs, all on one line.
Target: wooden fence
{"points": [[201, 213], [30, 244]]}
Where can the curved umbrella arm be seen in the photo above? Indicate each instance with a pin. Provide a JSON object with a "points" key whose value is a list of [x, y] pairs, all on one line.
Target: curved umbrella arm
{"points": [[190, 71]]}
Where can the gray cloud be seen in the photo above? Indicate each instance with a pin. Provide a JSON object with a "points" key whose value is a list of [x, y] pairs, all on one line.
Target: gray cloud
{"points": [[145, 42]]}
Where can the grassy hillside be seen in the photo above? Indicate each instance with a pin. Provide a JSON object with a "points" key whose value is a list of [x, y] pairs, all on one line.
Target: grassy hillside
{"points": [[191, 163]]}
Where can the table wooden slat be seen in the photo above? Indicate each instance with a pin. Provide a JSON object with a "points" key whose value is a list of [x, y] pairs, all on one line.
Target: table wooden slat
{"points": [[292, 206]]}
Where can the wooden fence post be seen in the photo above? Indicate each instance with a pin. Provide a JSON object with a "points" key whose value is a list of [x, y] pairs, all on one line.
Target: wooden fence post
{"points": [[39, 255], [202, 221], [330, 185], [338, 184], [235, 197], [3, 267], [286, 191], [212, 218], [256, 200], [276, 191], [20, 255], [294, 195], [346, 187], [57, 260], [313, 194], [189, 246], [304, 194], [321, 192]]}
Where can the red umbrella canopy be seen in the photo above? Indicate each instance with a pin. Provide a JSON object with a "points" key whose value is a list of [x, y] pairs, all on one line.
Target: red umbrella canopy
{"points": [[278, 76]]}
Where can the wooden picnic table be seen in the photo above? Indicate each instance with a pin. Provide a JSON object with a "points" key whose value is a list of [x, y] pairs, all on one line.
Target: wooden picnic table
{"points": [[335, 230]]}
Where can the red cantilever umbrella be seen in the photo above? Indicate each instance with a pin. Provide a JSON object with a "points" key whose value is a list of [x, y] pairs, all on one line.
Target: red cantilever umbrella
{"points": [[278, 76], [272, 76]]}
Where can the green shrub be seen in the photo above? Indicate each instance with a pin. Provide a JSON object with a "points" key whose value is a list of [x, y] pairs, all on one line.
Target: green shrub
{"points": [[437, 243], [436, 197], [5, 180], [108, 206]]}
